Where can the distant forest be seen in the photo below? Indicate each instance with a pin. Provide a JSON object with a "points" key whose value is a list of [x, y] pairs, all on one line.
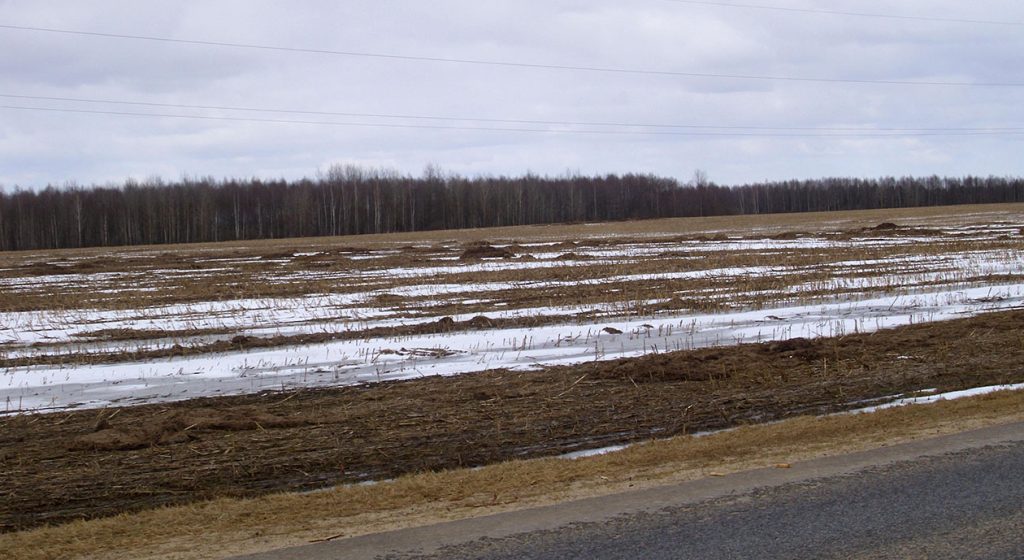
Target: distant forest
{"points": [[351, 200]]}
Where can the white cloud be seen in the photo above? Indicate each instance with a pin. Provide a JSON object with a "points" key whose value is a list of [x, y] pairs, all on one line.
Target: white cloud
{"points": [[37, 148]]}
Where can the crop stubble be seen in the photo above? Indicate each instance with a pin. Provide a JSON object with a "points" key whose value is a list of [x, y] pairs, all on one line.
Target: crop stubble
{"points": [[86, 464]]}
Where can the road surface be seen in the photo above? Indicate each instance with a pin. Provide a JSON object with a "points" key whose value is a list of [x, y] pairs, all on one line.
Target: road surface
{"points": [[958, 496]]}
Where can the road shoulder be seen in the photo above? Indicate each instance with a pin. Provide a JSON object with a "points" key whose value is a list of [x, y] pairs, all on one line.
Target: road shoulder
{"points": [[428, 539]]}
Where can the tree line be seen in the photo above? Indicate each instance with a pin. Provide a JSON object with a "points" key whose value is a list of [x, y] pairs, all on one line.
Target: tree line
{"points": [[352, 200]]}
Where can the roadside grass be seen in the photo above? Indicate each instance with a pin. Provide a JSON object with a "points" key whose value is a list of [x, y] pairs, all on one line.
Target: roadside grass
{"points": [[227, 527]]}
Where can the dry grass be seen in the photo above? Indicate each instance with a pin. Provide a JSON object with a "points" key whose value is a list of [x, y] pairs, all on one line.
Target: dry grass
{"points": [[70, 287], [136, 277], [229, 526]]}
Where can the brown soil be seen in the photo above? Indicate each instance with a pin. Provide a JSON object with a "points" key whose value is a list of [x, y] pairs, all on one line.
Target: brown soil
{"points": [[898, 230], [569, 257], [174, 427], [226, 527], [790, 235], [486, 251], [87, 464], [884, 226], [147, 276], [146, 334]]}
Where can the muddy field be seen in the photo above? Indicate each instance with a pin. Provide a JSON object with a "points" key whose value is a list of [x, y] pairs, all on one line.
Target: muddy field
{"points": [[132, 378], [62, 466], [127, 326]]}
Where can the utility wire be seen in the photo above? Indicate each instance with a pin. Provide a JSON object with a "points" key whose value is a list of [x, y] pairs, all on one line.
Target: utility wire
{"points": [[511, 64], [852, 14], [509, 121], [531, 130]]}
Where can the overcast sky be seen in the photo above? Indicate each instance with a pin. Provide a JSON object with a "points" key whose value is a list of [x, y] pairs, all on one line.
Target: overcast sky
{"points": [[45, 147]]}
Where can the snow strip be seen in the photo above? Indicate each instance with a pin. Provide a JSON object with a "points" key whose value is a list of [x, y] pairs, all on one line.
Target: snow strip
{"points": [[350, 362]]}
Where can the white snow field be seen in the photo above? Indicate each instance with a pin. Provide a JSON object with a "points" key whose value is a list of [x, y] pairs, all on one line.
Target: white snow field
{"points": [[813, 299]]}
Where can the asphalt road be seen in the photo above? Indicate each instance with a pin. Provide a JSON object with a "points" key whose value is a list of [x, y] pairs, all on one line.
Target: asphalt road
{"points": [[953, 497]]}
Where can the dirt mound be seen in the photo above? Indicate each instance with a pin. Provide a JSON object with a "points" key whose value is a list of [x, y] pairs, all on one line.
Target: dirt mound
{"points": [[789, 345], [789, 235], [42, 269], [709, 238], [177, 427], [485, 251], [568, 257], [387, 299], [658, 369], [442, 324], [126, 439], [480, 322], [898, 230], [422, 249], [801, 348], [278, 255], [64, 266], [884, 226], [243, 340]]}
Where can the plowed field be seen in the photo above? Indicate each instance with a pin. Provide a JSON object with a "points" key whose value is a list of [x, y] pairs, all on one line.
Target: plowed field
{"points": [[90, 463]]}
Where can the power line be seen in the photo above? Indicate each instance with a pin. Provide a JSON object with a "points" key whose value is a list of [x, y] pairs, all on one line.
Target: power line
{"points": [[868, 134], [512, 64], [509, 121], [853, 14]]}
